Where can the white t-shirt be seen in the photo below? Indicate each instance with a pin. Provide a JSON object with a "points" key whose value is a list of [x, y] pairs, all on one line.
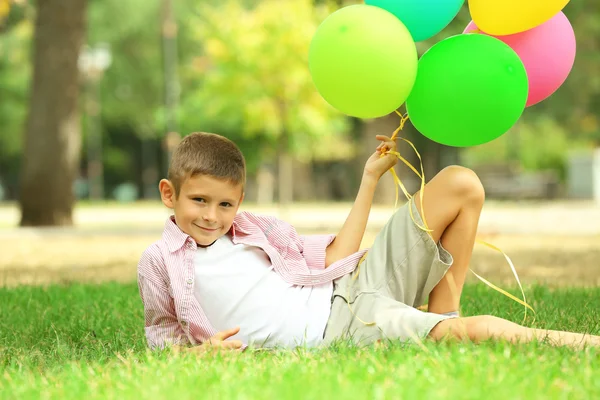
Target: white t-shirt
{"points": [[236, 285]]}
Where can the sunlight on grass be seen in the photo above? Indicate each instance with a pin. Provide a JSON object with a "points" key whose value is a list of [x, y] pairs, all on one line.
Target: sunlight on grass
{"points": [[87, 341]]}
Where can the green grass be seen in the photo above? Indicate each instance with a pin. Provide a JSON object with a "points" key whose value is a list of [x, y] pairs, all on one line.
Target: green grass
{"points": [[83, 341]]}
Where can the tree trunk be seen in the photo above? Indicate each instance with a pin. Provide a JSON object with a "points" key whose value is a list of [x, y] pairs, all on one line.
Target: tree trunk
{"points": [[435, 156], [53, 133], [171, 80], [285, 177], [265, 186], [150, 171], [302, 189]]}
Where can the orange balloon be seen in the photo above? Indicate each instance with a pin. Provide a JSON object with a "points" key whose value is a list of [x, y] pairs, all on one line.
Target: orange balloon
{"points": [[505, 17]]}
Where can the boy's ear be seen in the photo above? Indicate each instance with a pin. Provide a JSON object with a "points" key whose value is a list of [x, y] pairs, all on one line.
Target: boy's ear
{"points": [[167, 192]]}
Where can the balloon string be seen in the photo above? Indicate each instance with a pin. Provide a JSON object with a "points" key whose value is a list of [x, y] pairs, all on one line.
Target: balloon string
{"points": [[421, 175]]}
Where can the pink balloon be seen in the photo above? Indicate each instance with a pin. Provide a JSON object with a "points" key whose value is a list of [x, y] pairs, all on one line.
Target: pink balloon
{"points": [[548, 53]]}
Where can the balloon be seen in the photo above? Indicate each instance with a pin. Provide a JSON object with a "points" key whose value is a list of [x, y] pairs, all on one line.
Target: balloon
{"points": [[548, 53], [363, 61], [423, 18], [470, 90], [505, 17]]}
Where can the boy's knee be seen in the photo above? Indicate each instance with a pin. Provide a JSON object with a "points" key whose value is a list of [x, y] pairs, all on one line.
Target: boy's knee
{"points": [[464, 183]]}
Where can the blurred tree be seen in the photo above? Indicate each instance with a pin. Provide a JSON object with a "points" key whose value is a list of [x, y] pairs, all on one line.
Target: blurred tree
{"points": [[4, 9], [132, 90], [134, 116], [53, 132], [566, 121], [15, 36], [575, 105], [170, 60], [256, 82], [141, 89]]}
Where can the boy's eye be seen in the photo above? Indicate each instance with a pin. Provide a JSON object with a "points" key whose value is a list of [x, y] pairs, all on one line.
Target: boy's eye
{"points": [[226, 204], [200, 199]]}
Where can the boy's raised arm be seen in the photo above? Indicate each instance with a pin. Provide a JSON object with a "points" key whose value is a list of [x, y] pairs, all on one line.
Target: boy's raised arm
{"points": [[347, 241]]}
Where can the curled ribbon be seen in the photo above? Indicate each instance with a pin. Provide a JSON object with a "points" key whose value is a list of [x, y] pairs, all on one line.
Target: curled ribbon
{"points": [[421, 175]]}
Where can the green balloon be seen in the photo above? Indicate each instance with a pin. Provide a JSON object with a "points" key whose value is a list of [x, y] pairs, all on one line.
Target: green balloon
{"points": [[470, 90], [363, 61]]}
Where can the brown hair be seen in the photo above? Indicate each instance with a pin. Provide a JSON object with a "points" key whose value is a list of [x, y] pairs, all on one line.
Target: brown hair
{"points": [[208, 154]]}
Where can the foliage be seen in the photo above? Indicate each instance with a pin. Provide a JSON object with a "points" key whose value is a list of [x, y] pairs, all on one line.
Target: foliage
{"points": [[539, 144], [15, 70], [256, 80], [16, 31], [132, 85], [242, 68]]}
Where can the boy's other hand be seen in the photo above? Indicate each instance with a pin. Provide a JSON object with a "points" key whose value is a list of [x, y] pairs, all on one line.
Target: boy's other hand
{"points": [[219, 341], [377, 165]]}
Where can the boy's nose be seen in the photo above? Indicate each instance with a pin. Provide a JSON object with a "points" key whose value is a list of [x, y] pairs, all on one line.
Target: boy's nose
{"points": [[210, 216]]}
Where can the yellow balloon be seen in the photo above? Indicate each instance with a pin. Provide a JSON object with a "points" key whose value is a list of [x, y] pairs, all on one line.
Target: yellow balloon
{"points": [[505, 17]]}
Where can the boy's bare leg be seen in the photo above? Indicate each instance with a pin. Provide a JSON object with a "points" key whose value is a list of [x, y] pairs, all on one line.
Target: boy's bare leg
{"points": [[485, 327], [453, 201]]}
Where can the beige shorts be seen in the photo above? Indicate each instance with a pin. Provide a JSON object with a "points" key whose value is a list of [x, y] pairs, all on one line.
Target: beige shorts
{"points": [[400, 271]]}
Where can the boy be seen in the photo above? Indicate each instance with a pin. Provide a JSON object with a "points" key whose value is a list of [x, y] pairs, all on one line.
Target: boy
{"points": [[223, 279]]}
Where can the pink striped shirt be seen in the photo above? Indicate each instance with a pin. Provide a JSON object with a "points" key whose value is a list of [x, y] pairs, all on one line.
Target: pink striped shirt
{"points": [[166, 273]]}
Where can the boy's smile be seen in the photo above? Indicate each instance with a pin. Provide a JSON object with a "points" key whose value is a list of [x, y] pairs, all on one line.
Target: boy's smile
{"points": [[205, 207]]}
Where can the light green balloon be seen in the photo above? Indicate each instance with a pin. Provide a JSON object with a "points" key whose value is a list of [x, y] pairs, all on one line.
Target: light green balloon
{"points": [[470, 90], [363, 61]]}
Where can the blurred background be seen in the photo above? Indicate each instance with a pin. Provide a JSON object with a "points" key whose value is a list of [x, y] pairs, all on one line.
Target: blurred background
{"points": [[95, 94]]}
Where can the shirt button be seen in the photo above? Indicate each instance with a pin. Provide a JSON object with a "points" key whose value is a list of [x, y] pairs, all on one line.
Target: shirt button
{"points": [[190, 281], [184, 323]]}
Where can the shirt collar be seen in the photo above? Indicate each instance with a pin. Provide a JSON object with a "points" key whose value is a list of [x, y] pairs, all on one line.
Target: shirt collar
{"points": [[237, 226], [176, 238], [173, 236]]}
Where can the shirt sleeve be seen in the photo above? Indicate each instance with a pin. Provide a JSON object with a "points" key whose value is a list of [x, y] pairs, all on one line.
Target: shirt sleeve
{"points": [[161, 326], [315, 249], [312, 247]]}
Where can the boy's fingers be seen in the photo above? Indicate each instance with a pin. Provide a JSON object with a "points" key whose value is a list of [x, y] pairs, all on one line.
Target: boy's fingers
{"points": [[386, 143], [232, 344], [386, 147], [232, 332], [226, 334]]}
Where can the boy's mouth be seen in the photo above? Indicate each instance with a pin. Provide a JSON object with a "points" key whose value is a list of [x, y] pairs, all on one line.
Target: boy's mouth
{"points": [[206, 229]]}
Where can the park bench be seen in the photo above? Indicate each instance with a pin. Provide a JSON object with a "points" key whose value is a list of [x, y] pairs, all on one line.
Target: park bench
{"points": [[505, 181]]}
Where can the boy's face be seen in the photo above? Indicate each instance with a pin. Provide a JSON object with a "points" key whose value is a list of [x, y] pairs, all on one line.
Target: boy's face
{"points": [[205, 207]]}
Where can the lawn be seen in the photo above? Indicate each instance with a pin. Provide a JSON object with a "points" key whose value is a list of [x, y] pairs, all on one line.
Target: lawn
{"points": [[86, 341]]}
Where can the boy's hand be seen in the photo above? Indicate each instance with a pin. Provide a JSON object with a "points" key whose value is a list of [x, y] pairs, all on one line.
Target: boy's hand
{"points": [[377, 165], [219, 342]]}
